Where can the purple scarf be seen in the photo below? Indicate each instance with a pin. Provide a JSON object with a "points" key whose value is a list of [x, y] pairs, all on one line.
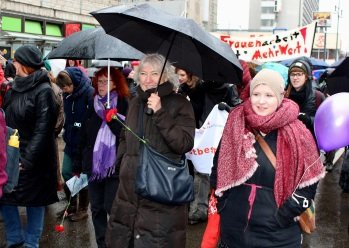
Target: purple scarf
{"points": [[104, 150]]}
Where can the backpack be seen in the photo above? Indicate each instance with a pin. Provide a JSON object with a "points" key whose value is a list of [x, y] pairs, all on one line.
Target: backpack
{"points": [[319, 98], [12, 158], [12, 164]]}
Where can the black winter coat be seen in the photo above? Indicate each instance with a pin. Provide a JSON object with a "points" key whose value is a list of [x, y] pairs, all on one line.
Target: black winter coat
{"points": [[206, 95], [306, 100], [33, 111], [88, 134]]}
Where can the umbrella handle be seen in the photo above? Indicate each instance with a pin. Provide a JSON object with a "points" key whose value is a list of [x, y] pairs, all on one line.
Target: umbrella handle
{"points": [[149, 111]]}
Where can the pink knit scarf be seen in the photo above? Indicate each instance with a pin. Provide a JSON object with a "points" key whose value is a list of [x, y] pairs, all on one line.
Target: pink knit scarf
{"points": [[297, 157]]}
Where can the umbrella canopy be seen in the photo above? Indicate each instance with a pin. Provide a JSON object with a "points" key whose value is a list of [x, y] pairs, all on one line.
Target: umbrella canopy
{"points": [[337, 63], [94, 44], [342, 69], [91, 71], [316, 63], [180, 40], [104, 63], [338, 81]]}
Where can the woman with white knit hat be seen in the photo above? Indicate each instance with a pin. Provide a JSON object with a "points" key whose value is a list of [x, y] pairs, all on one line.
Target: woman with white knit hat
{"points": [[259, 200]]}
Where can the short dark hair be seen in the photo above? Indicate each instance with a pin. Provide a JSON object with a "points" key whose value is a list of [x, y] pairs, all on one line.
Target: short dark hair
{"points": [[63, 79]]}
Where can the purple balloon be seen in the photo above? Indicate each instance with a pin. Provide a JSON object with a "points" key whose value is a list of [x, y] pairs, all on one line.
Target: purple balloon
{"points": [[331, 123]]}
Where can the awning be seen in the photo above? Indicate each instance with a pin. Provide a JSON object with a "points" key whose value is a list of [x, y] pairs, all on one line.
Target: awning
{"points": [[14, 36]]}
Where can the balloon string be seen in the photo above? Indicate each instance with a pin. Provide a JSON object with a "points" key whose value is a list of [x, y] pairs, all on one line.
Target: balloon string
{"points": [[321, 153]]}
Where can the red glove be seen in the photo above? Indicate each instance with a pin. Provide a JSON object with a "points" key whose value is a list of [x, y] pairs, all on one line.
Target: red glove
{"points": [[111, 114]]}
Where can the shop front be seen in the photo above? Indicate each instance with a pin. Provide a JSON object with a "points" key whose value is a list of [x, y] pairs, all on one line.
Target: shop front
{"points": [[16, 31]]}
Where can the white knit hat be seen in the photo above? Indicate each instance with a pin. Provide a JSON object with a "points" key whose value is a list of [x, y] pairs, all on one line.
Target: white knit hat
{"points": [[271, 78]]}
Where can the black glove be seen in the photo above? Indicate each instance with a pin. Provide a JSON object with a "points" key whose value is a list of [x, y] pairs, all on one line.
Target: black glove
{"points": [[224, 106], [305, 119], [76, 168]]}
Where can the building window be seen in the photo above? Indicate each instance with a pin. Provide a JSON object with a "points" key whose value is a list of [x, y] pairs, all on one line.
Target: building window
{"points": [[11, 24], [87, 26], [267, 23], [53, 29], [267, 10], [32, 27]]}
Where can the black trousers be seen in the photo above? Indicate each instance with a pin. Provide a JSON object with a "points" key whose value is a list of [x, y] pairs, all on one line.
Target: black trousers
{"points": [[101, 195]]}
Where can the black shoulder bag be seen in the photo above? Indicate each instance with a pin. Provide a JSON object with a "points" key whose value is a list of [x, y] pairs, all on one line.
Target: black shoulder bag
{"points": [[161, 179]]}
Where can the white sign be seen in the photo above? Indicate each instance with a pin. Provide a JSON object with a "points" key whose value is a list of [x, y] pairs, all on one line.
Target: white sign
{"points": [[207, 139], [275, 47], [75, 184]]}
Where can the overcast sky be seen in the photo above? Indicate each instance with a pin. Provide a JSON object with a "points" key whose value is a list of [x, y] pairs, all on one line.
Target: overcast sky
{"points": [[225, 19], [329, 5]]}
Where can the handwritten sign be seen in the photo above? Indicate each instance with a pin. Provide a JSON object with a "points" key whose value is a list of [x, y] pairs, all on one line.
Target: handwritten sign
{"points": [[281, 46]]}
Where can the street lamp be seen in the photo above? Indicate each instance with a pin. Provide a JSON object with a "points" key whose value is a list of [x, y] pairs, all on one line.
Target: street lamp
{"points": [[300, 13], [339, 14]]}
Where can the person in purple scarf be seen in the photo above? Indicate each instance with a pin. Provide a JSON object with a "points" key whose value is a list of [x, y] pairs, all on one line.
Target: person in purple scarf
{"points": [[98, 145]]}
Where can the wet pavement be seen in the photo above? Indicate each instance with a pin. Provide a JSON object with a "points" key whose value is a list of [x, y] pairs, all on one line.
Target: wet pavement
{"points": [[332, 219], [332, 214]]}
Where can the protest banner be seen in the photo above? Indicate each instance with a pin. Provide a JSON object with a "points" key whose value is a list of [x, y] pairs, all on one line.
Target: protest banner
{"points": [[207, 139], [275, 47]]}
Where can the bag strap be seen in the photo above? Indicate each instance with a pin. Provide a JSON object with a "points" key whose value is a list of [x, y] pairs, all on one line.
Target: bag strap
{"points": [[266, 148], [141, 120]]}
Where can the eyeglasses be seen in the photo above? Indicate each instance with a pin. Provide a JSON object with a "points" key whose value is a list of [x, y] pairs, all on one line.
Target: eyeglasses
{"points": [[103, 82], [296, 74]]}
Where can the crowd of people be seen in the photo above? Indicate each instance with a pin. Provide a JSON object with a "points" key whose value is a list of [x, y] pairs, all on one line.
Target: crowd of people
{"points": [[259, 200]]}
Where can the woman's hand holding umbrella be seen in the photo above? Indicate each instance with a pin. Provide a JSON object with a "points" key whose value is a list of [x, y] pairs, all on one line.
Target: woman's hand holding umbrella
{"points": [[154, 102]]}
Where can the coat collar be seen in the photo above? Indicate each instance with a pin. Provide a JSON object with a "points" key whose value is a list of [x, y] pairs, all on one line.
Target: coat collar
{"points": [[164, 89], [22, 84]]}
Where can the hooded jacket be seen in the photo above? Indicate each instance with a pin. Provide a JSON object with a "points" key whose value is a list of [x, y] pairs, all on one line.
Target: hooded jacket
{"points": [[75, 107], [306, 100]]}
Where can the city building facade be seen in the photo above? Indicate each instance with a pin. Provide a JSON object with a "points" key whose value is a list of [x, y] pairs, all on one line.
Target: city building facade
{"points": [[46, 22], [260, 17], [268, 15]]}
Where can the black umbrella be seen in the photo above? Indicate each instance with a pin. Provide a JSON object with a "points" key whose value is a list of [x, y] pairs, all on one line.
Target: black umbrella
{"points": [[338, 81], [93, 44], [181, 40], [337, 63], [342, 69]]}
